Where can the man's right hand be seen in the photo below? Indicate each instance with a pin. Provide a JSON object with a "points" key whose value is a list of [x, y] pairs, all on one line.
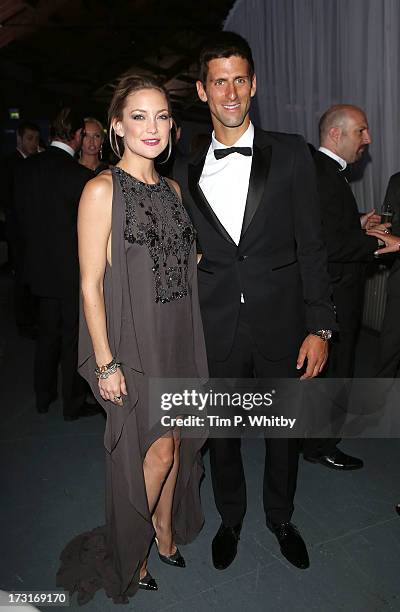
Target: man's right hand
{"points": [[314, 350], [370, 220]]}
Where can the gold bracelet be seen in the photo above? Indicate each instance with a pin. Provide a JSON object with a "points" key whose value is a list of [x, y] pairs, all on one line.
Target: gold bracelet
{"points": [[105, 371]]}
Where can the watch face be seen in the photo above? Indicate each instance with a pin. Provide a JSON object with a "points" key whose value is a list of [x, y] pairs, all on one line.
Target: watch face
{"points": [[325, 334]]}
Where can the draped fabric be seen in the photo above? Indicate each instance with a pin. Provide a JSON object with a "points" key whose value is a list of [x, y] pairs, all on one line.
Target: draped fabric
{"points": [[151, 338], [310, 54]]}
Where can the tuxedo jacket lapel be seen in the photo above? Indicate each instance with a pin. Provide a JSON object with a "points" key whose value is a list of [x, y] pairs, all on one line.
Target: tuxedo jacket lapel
{"points": [[258, 176], [261, 162], [195, 170]]}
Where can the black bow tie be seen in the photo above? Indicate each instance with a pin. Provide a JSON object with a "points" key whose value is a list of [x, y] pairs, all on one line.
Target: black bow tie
{"points": [[220, 153]]}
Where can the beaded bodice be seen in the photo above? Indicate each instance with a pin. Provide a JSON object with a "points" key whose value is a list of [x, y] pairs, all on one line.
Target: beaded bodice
{"points": [[155, 219]]}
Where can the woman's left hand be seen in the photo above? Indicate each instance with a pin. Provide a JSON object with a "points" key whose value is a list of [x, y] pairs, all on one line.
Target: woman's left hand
{"points": [[392, 243]]}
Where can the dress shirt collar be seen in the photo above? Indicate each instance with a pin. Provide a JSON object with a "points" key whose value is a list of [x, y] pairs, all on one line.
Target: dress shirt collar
{"points": [[342, 163], [22, 153], [246, 140], [63, 146]]}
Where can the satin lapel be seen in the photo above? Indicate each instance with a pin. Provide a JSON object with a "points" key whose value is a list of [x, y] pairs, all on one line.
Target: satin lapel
{"points": [[258, 176], [201, 201]]}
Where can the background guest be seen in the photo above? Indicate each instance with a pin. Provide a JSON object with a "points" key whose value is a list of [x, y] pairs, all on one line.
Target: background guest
{"points": [[28, 136], [90, 154], [344, 135], [47, 190]]}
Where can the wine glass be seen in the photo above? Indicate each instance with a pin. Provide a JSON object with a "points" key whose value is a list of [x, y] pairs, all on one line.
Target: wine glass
{"points": [[386, 213]]}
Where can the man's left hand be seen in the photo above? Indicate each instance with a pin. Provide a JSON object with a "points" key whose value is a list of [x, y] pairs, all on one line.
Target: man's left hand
{"points": [[315, 350]]}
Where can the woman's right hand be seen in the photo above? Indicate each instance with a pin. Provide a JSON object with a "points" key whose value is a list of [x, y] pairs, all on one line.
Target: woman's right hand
{"points": [[113, 388], [391, 242]]}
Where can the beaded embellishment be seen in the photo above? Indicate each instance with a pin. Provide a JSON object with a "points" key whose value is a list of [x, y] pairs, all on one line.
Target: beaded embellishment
{"points": [[156, 218]]}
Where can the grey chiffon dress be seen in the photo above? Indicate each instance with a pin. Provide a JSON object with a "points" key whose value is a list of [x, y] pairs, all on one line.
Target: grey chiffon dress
{"points": [[154, 330]]}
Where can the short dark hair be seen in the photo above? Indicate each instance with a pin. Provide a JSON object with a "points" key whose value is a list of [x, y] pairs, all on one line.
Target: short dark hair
{"points": [[24, 126], [224, 44], [67, 123]]}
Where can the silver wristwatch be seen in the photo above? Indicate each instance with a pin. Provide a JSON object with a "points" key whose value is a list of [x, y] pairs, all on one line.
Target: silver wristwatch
{"points": [[325, 334]]}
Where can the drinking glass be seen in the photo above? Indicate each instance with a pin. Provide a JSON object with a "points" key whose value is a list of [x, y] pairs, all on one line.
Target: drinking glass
{"points": [[386, 213]]}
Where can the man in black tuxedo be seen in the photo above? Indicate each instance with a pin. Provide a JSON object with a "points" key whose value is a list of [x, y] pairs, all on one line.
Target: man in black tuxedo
{"points": [[48, 187], [263, 285], [27, 144], [24, 303], [389, 341], [344, 136]]}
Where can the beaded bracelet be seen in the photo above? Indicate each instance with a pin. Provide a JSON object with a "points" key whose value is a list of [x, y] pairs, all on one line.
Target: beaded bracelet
{"points": [[105, 371]]}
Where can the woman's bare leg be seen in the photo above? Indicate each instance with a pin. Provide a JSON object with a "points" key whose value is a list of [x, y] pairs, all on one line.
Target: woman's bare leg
{"points": [[157, 465], [162, 516]]}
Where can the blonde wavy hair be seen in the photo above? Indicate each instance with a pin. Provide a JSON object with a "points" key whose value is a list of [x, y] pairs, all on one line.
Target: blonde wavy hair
{"points": [[129, 83]]}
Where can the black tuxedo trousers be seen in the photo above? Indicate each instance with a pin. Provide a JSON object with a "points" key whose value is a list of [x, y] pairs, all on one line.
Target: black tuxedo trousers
{"points": [[281, 455], [388, 365], [57, 343]]}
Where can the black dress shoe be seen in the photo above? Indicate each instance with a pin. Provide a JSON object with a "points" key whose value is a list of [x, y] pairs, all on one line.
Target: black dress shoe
{"points": [[292, 544], [176, 559], [336, 460], [224, 546], [148, 583], [71, 417]]}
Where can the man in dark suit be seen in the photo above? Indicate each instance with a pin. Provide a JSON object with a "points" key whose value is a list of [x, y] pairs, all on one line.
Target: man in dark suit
{"points": [[263, 286], [24, 303], [389, 341], [344, 136], [27, 145], [48, 187]]}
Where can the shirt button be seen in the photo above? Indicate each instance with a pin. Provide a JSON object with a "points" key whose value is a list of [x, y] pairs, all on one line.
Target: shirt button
{"points": [[242, 257]]}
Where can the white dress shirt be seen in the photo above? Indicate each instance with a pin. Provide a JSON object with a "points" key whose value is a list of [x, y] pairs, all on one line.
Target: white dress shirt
{"points": [[63, 146], [329, 153], [225, 183]]}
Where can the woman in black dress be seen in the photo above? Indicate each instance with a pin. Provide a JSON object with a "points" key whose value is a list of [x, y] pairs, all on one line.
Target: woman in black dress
{"points": [[90, 154], [141, 319]]}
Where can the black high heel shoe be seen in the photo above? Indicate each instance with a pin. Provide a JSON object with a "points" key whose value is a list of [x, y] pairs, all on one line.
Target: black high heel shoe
{"points": [[148, 583], [176, 559]]}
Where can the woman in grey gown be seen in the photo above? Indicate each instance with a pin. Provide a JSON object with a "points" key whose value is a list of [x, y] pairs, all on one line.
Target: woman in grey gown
{"points": [[140, 319]]}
